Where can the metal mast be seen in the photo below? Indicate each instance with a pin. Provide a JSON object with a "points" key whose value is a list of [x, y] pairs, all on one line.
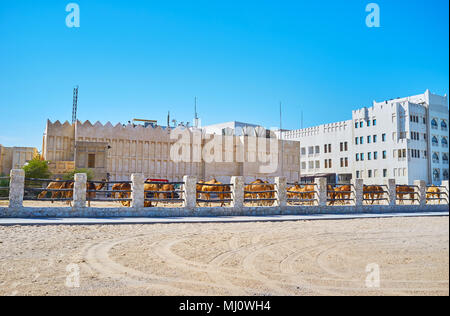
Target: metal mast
{"points": [[75, 105]]}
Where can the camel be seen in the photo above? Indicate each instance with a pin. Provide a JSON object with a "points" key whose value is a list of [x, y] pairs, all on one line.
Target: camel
{"points": [[403, 190], [122, 195], [372, 193], [168, 191], [209, 187], [434, 192], [92, 187], [53, 186], [258, 187], [340, 194]]}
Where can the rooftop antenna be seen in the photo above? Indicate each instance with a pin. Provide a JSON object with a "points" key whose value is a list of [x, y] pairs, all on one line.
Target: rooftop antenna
{"points": [[75, 105], [195, 113]]}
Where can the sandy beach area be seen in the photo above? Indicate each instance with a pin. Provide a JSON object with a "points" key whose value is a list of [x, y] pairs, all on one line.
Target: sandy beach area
{"points": [[279, 258]]}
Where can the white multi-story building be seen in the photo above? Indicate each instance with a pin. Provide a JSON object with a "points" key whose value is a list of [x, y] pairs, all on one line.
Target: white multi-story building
{"points": [[405, 139]]}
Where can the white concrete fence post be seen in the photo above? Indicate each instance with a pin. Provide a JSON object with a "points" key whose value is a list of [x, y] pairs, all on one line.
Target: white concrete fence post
{"points": [[189, 192], [16, 188], [321, 191], [237, 187], [358, 191], [420, 192], [281, 194], [79, 190], [446, 195], [392, 192], [137, 190]]}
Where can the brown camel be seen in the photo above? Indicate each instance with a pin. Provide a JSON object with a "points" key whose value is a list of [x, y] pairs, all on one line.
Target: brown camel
{"points": [[53, 186], [403, 190], [434, 192], [373, 193]]}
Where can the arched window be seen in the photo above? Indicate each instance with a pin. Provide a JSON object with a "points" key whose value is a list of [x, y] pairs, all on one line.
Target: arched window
{"points": [[444, 125], [434, 124], [445, 158], [436, 174], [445, 174], [435, 158], [444, 142], [435, 141]]}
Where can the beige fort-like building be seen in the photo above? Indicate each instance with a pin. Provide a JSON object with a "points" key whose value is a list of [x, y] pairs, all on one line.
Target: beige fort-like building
{"points": [[114, 152]]}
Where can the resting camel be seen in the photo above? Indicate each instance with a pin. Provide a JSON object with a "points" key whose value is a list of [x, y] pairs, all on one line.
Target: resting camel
{"points": [[258, 186], [373, 193], [168, 192], [306, 192], [403, 190], [434, 192]]}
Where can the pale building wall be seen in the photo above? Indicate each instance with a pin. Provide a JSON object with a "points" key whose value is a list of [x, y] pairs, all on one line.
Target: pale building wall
{"points": [[397, 120]]}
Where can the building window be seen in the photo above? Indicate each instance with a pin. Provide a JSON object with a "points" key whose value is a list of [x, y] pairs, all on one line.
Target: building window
{"points": [[310, 150], [385, 173], [356, 140], [445, 158], [329, 148], [317, 164], [375, 155], [342, 162], [368, 123], [445, 174], [325, 149], [374, 138], [346, 146], [91, 160], [361, 140], [369, 139], [383, 137], [361, 124], [303, 151], [369, 156], [362, 157], [342, 146], [436, 175], [346, 162], [435, 141], [356, 124], [374, 122], [357, 157], [444, 142], [443, 125], [317, 149], [384, 154], [370, 174], [326, 163], [435, 158], [434, 124], [357, 175], [329, 163], [303, 165]]}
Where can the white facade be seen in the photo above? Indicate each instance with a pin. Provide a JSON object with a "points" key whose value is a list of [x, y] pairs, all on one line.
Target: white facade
{"points": [[404, 139]]}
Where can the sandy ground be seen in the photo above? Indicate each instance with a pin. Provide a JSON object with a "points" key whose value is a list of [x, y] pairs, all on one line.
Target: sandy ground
{"points": [[280, 258]]}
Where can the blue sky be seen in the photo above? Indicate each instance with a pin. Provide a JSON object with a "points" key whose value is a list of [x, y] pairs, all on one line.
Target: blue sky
{"points": [[240, 58]]}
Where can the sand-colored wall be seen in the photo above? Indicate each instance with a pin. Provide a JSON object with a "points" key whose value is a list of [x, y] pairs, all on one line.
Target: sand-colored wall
{"points": [[15, 157], [138, 149]]}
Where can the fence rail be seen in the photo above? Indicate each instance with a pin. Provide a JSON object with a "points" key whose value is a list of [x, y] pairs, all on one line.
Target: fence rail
{"points": [[191, 194]]}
